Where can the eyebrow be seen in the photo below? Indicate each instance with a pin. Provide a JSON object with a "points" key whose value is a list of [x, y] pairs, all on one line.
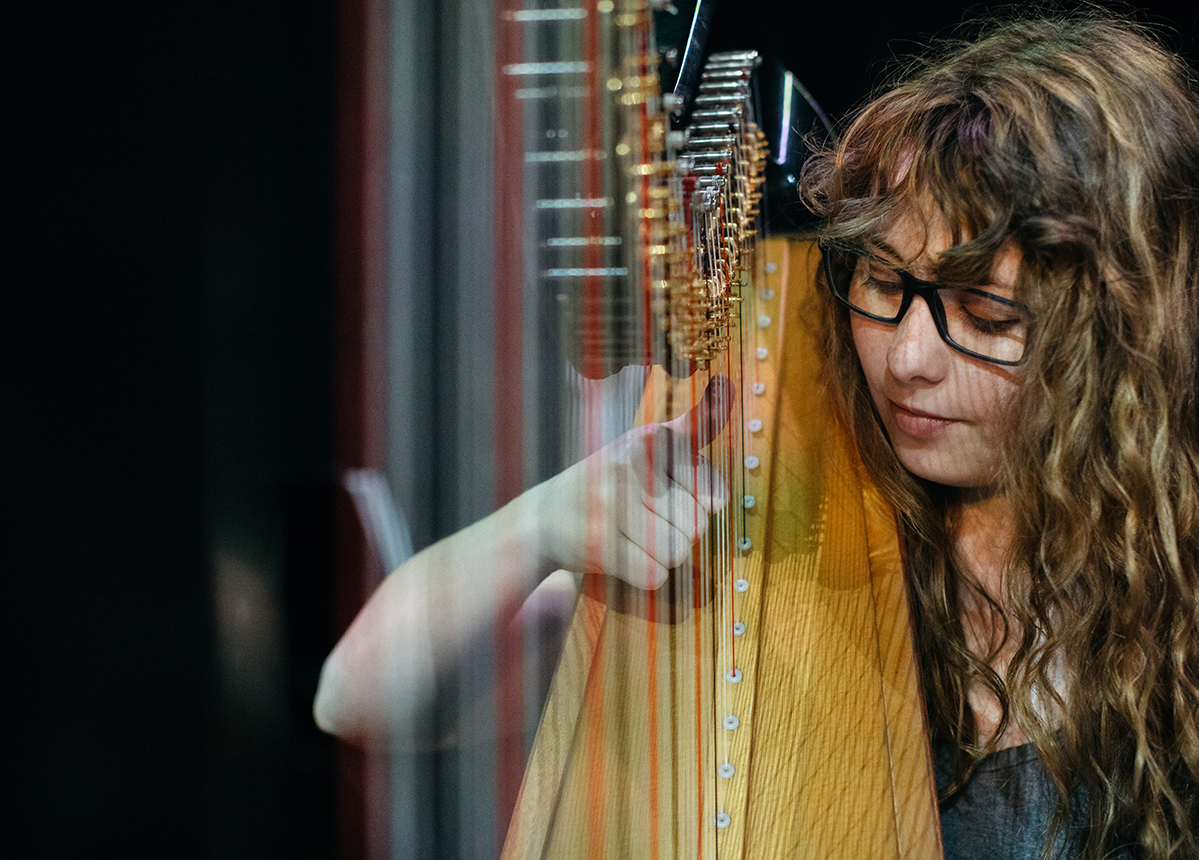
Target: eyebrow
{"points": [[989, 287], [883, 246]]}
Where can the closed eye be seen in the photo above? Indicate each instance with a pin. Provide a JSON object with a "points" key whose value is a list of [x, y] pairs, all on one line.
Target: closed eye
{"points": [[987, 325], [884, 286], [985, 314]]}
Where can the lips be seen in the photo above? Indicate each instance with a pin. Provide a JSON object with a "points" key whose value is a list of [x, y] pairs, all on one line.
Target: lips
{"points": [[919, 424]]}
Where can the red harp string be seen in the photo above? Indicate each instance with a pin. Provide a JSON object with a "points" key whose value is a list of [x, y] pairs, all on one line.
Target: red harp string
{"points": [[636, 249]]}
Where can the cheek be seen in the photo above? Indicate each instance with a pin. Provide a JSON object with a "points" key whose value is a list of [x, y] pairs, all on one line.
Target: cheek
{"points": [[988, 398], [992, 399], [871, 342]]}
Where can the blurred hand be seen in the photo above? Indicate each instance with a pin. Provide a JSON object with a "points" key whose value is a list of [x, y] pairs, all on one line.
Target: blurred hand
{"points": [[635, 508]]}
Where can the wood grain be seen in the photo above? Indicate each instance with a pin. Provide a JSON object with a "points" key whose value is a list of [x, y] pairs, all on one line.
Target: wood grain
{"points": [[830, 757]]}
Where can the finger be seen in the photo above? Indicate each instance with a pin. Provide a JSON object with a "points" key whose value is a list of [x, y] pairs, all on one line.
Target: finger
{"points": [[682, 510], [642, 570], [703, 482], [627, 560], [667, 463], [707, 419], [659, 538], [633, 564], [677, 444]]}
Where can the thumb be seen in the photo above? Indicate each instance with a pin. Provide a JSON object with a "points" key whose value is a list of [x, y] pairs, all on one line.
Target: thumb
{"points": [[706, 419], [688, 433]]}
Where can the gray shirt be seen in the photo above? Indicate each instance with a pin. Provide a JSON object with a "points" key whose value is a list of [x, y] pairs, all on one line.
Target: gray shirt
{"points": [[1003, 812]]}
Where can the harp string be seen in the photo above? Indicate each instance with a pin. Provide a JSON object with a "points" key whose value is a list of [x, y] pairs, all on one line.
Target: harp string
{"points": [[634, 251]]}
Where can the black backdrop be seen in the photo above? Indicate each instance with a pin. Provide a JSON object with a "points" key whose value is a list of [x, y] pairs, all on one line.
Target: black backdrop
{"points": [[841, 50], [166, 354], [167, 373]]}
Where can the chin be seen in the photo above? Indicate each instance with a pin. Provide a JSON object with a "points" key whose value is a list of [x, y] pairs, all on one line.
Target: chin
{"points": [[947, 475]]}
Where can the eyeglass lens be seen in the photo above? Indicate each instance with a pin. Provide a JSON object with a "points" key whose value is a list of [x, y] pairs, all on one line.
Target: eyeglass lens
{"points": [[973, 319]]}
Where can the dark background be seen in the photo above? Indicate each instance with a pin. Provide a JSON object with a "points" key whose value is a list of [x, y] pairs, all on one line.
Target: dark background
{"points": [[167, 365]]}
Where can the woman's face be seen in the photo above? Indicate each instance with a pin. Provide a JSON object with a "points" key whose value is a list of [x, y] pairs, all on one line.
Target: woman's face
{"points": [[942, 410]]}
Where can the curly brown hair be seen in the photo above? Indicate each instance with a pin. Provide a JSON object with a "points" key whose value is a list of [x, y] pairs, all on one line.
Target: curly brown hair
{"points": [[1077, 139]]}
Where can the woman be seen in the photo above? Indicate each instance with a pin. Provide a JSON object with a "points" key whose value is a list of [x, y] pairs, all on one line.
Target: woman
{"points": [[1012, 246], [1047, 486]]}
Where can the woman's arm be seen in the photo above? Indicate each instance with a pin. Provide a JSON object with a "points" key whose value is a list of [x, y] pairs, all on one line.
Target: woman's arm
{"points": [[633, 510]]}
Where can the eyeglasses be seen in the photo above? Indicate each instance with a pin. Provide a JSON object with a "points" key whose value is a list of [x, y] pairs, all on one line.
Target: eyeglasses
{"points": [[974, 322]]}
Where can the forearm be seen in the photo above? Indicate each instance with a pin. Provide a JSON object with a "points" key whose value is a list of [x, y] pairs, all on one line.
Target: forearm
{"points": [[632, 510], [419, 622]]}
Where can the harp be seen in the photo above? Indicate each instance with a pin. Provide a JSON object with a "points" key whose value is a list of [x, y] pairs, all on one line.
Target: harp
{"points": [[766, 701]]}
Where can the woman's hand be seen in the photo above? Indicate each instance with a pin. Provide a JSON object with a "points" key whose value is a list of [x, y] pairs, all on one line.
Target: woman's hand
{"points": [[633, 510], [636, 508]]}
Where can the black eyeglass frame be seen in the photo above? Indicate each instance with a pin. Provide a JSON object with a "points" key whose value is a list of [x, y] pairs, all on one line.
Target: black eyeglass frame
{"points": [[927, 290]]}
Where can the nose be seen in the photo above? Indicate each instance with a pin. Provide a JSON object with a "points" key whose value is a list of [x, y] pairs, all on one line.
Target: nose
{"points": [[916, 352]]}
